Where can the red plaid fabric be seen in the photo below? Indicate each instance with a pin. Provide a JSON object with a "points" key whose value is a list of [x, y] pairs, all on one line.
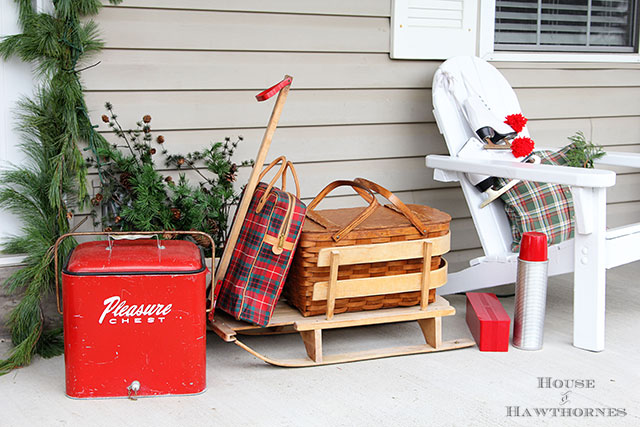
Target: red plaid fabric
{"points": [[543, 207], [253, 282]]}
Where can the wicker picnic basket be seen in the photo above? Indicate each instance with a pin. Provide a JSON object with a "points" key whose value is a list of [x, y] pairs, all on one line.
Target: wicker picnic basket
{"points": [[374, 224]]}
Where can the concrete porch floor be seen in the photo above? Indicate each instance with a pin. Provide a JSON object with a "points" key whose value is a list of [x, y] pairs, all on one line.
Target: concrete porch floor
{"points": [[456, 388]]}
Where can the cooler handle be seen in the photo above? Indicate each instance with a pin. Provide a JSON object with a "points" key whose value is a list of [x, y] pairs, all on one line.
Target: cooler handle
{"points": [[131, 237], [120, 235]]}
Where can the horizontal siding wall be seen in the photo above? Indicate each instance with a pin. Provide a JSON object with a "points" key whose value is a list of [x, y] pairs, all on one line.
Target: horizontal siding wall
{"points": [[196, 65]]}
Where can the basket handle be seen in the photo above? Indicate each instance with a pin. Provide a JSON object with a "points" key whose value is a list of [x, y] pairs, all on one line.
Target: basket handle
{"points": [[130, 236], [281, 173], [358, 188], [396, 202]]}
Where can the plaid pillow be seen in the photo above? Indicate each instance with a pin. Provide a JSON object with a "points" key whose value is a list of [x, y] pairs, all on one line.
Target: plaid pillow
{"points": [[542, 207]]}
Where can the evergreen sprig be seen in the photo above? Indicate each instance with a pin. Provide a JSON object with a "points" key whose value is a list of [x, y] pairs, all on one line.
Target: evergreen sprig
{"points": [[216, 185], [136, 196], [44, 190], [582, 152]]}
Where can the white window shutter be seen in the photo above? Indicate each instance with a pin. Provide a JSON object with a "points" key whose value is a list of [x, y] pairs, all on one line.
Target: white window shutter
{"points": [[433, 29]]}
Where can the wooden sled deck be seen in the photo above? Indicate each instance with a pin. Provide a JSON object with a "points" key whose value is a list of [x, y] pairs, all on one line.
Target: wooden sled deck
{"points": [[286, 319]]}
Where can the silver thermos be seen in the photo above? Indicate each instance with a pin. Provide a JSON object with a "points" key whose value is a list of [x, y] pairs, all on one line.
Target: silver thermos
{"points": [[531, 292]]}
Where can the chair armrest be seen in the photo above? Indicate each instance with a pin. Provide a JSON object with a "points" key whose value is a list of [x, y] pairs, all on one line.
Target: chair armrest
{"points": [[577, 177], [630, 160]]}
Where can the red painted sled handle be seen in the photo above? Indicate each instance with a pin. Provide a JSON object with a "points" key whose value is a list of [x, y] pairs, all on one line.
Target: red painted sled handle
{"points": [[268, 93], [131, 236]]}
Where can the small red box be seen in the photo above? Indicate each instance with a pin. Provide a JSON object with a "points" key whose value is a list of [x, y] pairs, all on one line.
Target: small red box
{"points": [[134, 319], [488, 322]]}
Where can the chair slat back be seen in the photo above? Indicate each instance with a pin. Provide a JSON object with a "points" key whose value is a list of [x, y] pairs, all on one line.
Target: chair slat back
{"points": [[460, 75]]}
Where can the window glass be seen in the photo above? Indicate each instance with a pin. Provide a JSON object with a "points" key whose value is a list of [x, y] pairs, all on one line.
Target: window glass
{"points": [[566, 25]]}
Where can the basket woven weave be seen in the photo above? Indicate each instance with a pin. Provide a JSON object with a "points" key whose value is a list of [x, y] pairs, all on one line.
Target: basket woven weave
{"points": [[382, 225]]}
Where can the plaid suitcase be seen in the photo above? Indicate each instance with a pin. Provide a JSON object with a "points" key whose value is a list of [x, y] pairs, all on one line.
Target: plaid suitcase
{"points": [[260, 260]]}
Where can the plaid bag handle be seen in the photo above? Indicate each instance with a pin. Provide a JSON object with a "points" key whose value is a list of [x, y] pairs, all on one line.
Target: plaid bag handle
{"points": [[396, 202], [281, 173], [358, 188]]}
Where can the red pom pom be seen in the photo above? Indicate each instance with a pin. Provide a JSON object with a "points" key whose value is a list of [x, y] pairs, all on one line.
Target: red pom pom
{"points": [[516, 121], [522, 146]]}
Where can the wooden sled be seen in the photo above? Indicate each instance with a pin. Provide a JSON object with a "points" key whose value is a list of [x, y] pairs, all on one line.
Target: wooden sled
{"points": [[286, 319]]}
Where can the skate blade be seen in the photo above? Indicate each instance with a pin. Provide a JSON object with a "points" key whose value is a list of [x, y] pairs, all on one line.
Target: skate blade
{"points": [[495, 194], [489, 145]]}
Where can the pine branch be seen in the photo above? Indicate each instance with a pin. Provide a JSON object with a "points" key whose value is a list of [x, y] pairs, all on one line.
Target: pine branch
{"points": [[583, 153], [53, 177]]}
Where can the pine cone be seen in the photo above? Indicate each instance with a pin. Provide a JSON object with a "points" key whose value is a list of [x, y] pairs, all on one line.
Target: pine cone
{"points": [[152, 151], [108, 229], [105, 118], [213, 226], [117, 219], [69, 215], [98, 197], [176, 213], [160, 139], [168, 179], [146, 118], [168, 236], [201, 240], [180, 161], [229, 177], [125, 180]]}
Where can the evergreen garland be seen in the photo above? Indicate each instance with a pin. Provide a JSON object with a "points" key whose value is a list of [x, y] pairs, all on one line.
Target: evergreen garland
{"points": [[44, 190]]}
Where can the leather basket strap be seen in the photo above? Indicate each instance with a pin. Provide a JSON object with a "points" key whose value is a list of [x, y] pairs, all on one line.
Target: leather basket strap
{"points": [[360, 189], [399, 206]]}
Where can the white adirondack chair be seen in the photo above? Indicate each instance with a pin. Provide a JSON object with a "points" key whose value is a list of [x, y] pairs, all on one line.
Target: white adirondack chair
{"points": [[594, 248]]}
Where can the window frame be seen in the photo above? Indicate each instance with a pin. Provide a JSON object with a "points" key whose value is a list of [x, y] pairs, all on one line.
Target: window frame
{"points": [[486, 36]]}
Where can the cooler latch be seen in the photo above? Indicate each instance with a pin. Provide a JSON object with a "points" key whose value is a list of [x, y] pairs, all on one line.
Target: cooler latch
{"points": [[132, 390]]}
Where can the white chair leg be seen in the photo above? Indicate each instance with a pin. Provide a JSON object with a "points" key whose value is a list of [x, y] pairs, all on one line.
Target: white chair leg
{"points": [[480, 276], [590, 274]]}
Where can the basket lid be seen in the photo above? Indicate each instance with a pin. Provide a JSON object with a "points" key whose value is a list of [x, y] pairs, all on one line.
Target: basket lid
{"points": [[135, 257], [383, 218]]}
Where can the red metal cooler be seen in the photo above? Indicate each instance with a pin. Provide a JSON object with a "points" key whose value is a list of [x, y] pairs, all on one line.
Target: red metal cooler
{"points": [[134, 319]]}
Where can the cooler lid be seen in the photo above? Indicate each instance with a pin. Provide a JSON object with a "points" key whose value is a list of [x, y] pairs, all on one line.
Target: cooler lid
{"points": [[135, 257]]}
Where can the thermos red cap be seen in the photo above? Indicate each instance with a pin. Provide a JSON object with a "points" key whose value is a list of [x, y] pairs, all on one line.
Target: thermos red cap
{"points": [[533, 246]]}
